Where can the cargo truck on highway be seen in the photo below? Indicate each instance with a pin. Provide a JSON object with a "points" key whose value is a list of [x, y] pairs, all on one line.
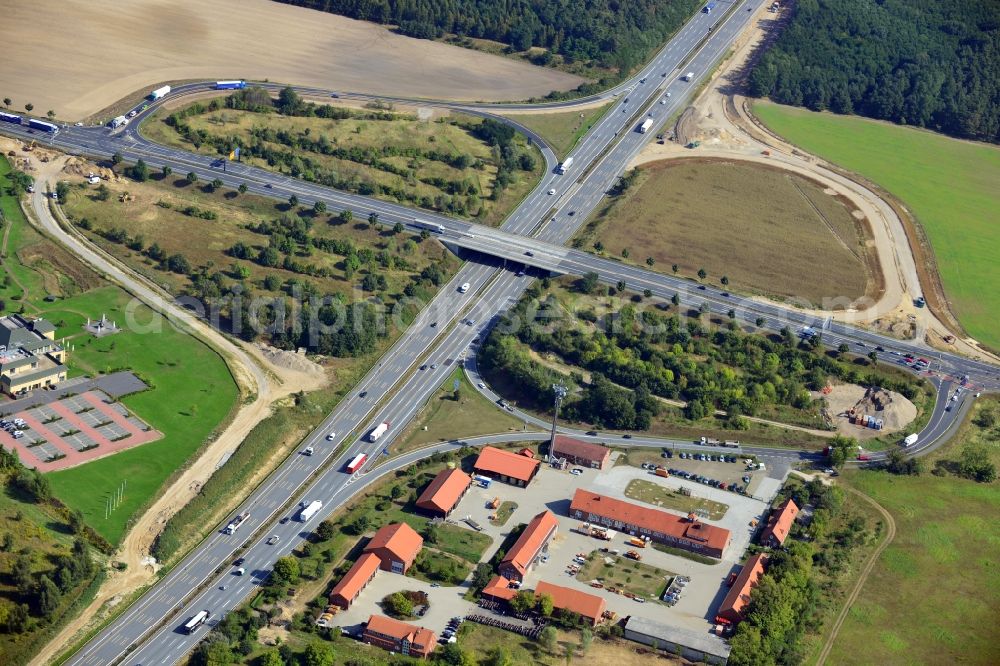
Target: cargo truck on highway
{"points": [[159, 93], [235, 523], [230, 85], [42, 125], [707, 9], [689, 76], [356, 463], [645, 126], [310, 510], [10, 118], [566, 164], [378, 431]]}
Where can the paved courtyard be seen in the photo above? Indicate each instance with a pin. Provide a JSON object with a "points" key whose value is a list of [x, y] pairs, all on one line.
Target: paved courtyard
{"points": [[70, 429], [552, 489]]}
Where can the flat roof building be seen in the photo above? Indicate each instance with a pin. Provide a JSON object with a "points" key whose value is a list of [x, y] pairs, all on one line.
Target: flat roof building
{"points": [[506, 466], [733, 606], [578, 452], [445, 492], [779, 524], [693, 646], [29, 356], [588, 606], [396, 545], [688, 533], [526, 550], [354, 581], [396, 636]]}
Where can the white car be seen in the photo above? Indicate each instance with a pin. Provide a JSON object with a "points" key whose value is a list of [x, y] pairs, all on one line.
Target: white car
{"points": [[663, 101], [552, 191], [465, 287], [482, 385], [576, 471], [331, 436]]}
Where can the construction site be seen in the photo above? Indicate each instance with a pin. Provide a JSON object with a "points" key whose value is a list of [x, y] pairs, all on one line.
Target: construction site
{"points": [[866, 412]]}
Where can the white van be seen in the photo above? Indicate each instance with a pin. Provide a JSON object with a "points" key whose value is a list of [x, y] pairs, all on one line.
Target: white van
{"points": [[240, 571], [465, 287]]}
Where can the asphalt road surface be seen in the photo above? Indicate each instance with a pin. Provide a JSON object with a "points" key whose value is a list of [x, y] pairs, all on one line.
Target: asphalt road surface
{"points": [[148, 632]]}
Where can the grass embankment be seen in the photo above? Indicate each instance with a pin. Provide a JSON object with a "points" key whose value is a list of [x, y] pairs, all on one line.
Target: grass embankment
{"points": [[444, 418], [625, 575], [938, 578], [654, 493], [950, 186], [436, 163], [484, 643], [159, 215], [795, 241], [562, 130]]}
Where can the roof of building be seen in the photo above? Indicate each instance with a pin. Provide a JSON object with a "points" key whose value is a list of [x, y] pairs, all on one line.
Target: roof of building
{"points": [[401, 630], [506, 463], [651, 519], [399, 539], [739, 594], [42, 326], [531, 541], [499, 587], [566, 598], [780, 522], [444, 491], [579, 449], [357, 577], [666, 634]]}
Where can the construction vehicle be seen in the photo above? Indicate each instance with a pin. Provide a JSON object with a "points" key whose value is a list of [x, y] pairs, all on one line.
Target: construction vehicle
{"points": [[633, 555]]}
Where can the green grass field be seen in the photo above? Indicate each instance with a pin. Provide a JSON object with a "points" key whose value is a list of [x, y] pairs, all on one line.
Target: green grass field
{"points": [[950, 186], [562, 130], [938, 578], [192, 393], [654, 493]]}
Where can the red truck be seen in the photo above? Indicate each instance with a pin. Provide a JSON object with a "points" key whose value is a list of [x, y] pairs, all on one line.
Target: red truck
{"points": [[356, 463]]}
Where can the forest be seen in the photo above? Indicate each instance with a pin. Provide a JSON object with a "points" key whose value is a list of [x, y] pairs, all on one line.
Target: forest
{"points": [[610, 34], [928, 63]]}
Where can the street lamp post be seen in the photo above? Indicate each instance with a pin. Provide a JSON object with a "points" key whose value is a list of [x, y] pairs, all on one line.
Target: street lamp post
{"points": [[560, 394]]}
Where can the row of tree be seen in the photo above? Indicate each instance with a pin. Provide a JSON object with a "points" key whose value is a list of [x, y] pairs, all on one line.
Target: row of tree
{"points": [[928, 63]]}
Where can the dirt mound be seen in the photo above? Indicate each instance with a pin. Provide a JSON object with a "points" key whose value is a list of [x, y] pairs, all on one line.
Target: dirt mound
{"points": [[289, 360], [893, 409], [686, 126]]}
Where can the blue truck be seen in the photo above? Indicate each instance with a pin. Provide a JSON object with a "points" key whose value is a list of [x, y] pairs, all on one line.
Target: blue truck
{"points": [[230, 85], [10, 118], [42, 125]]}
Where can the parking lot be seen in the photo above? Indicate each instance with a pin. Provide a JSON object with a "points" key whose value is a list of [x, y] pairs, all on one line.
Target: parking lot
{"points": [[73, 429]]}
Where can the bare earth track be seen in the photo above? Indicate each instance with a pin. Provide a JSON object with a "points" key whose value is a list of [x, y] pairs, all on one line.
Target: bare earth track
{"points": [[81, 56]]}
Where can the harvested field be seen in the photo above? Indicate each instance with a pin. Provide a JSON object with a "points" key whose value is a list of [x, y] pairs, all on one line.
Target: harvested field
{"points": [[767, 231], [79, 57]]}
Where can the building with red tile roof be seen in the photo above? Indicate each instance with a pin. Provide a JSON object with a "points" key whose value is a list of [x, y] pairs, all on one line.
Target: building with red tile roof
{"points": [[499, 589], [588, 606], [684, 532], [354, 581], [735, 603], [445, 492], [578, 452], [506, 466], [533, 540], [396, 545], [396, 636], [779, 524]]}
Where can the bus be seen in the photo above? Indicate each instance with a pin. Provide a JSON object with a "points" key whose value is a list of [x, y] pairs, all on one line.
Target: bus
{"points": [[429, 226], [201, 618]]}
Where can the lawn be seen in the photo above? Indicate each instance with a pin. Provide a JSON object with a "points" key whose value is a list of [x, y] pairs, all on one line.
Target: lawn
{"points": [[625, 575], [562, 130], [444, 418], [949, 185], [939, 575], [503, 513], [483, 642], [191, 393], [665, 498], [688, 212]]}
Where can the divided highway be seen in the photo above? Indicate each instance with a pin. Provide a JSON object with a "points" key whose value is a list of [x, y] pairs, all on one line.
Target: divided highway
{"points": [[149, 631]]}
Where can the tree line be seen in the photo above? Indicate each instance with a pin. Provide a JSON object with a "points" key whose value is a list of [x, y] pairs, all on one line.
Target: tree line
{"points": [[927, 63], [607, 33]]}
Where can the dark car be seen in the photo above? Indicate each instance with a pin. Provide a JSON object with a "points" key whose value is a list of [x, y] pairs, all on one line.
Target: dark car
{"points": [[626, 436], [529, 253], [572, 213], [238, 561], [592, 433], [702, 287], [880, 348], [363, 394]]}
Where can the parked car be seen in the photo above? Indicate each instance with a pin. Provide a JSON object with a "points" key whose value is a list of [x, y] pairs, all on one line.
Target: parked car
{"points": [[273, 539]]}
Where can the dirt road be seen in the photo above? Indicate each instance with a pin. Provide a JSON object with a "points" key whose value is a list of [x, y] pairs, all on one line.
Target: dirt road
{"points": [[264, 377], [727, 130], [77, 57]]}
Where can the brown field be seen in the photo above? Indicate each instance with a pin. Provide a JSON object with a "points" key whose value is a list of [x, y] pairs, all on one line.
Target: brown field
{"points": [[768, 231], [204, 242], [77, 57]]}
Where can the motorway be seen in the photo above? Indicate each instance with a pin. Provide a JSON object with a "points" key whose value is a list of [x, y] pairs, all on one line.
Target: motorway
{"points": [[147, 633]]}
